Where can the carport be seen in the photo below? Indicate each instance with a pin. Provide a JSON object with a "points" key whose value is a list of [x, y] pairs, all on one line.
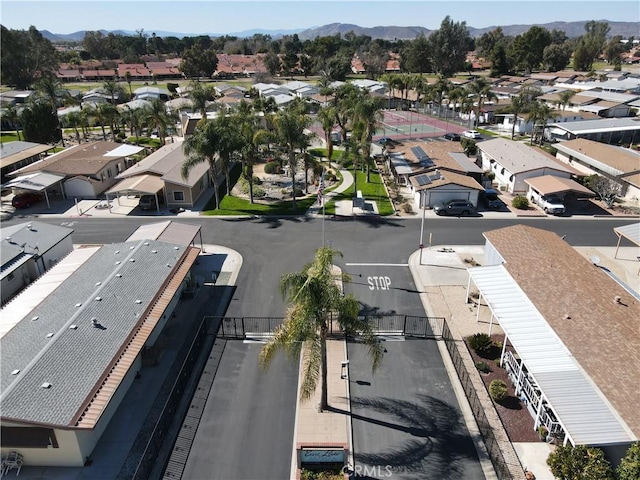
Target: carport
{"points": [[630, 232], [37, 182], [550, 184], [557, 392], [170, 232], [137, 185]]}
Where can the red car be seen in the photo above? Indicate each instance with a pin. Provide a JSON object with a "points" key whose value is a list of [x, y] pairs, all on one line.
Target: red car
{"points": [[26, 199]]}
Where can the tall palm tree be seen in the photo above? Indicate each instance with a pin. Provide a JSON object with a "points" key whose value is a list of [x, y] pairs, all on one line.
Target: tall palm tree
{"points": [[109, 114], [480, 90], [12, 114], [327, 116], [127, 77], [368, 114], [73, 120], [539, 114], [290, 125], [51, 88], [113, 89], [247, 126], [440, 89], [228, 143], [313, 298], [200, 96], [519, 104], [156, 114], [202, 146], [564, 98]]}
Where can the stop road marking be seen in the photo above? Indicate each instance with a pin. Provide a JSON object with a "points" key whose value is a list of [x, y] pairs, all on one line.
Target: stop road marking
{"points": [[379, 283]]}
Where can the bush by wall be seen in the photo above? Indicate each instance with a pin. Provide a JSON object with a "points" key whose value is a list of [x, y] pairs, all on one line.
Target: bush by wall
{"points": [[498, 390], [481, 343], [520, 202]]}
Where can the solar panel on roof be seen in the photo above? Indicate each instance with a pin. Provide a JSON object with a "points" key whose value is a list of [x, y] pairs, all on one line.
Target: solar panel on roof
{"points": [[423, 180], [422, 157]]}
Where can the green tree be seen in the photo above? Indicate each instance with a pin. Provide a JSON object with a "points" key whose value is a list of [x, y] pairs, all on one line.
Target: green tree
{"points": [[414, 56], [367, 115], [564, 98], [25, 55], [13, 116], [290, 125], [200, 96], [39, 123], [198, 62], [539, 113], [202, 146], [579, 463], [375, 61], [157, 115], [327, 117], [114, 90], [556, 56], [629, 468], [246, 122], [313, 299], [448, 47], [528, 48], [73, 120], [479, 89], [228, 143]]}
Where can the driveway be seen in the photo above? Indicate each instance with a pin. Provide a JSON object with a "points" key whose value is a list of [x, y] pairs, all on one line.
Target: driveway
{"points": [[406, 420]]}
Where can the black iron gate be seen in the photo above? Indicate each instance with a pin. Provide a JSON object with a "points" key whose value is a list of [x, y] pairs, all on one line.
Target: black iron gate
{"points": [[406, 325]]}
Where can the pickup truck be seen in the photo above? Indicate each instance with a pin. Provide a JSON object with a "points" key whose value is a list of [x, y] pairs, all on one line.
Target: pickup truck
{"points": [[550, 204]]}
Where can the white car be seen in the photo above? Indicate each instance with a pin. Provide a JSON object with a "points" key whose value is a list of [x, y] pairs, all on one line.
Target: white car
{"points": [[471, 134]]}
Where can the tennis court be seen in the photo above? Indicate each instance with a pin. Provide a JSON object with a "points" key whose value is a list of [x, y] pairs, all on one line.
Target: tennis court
{"points": [[407, 124]]}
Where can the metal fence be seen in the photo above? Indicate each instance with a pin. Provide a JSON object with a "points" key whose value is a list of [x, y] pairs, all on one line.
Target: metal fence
{"points": [[408, 325], [150, 455], [493, 449]]}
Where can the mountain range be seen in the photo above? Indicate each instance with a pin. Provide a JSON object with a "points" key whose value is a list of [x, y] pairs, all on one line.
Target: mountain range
{"points": [[571, 29]]}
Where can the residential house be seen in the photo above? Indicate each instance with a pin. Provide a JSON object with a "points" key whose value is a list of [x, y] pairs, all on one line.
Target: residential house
{"points": [[28, 250], [85, 170], [160, 174], [614, 131], [571, 336], [19, 154], [69, 359], [151, 93], [622, 165], [437, 186], [514, 162]]}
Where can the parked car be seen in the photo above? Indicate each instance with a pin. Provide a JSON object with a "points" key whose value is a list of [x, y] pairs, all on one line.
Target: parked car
{"points": [[147, 202], [386, 141], [491, 200], [25, 200], [453, 137], [455, 207], [550, 204], [471, 134]]}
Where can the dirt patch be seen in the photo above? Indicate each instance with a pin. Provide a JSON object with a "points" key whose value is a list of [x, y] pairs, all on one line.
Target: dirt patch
{"points": [[514, 415]]}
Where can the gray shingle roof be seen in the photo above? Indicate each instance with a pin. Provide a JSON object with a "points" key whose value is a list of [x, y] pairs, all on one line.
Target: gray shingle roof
{"points": [[40, 235], [73, 360]]}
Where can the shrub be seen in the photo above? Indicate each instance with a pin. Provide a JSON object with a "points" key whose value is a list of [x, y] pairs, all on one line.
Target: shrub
{"points": [[480, 343], [257, 181], [582, 462], [407, 208], [498, 390], [483, 367], [271, 168], [520, 202], [629, 467], [497, 362]]}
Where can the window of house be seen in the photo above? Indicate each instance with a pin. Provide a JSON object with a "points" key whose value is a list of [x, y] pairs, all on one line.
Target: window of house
{"points": [[109, 172], [102, 176], [178, 196]]}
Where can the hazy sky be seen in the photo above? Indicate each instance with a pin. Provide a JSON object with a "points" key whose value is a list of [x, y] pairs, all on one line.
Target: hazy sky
{"points": [[210, 16]]}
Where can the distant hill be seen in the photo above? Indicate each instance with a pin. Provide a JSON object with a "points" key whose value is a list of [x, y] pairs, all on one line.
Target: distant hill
{"points": [[572, 29]]}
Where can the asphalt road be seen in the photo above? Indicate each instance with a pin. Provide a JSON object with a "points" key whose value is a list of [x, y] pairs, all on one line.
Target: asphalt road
{"points": [[246, 430], [406, 420], [248, 426]]}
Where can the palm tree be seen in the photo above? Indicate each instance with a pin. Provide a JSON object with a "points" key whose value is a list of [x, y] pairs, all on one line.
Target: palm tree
{"points": [[247, 126], [539, 114], [51, 88], [519, 104], [440, 89], [564, 98], [11, 113], [290, 125], [200, 96], [228, 143], [313, 298], [108, 113], [480, 89], [202, 146], [368, 114], [73, 120], [127, 77], [327, 116], [113, 89], [157, 115]]}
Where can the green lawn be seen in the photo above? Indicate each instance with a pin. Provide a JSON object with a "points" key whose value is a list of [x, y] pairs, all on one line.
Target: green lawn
{"points": [[9, 137], [322, 152], [373, 191], [240, 206]]}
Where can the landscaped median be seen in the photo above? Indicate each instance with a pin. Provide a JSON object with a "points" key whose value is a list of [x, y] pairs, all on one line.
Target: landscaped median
{"points": [[322, 439]]}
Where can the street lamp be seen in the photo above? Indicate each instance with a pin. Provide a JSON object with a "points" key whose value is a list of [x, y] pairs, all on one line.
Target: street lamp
{"points": [[421, 225]]}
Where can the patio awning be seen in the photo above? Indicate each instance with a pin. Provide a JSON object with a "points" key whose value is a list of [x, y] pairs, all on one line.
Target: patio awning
{"points": [[35, 182], [548, 184], [580, 407], [124, 151], [140, 183]]}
